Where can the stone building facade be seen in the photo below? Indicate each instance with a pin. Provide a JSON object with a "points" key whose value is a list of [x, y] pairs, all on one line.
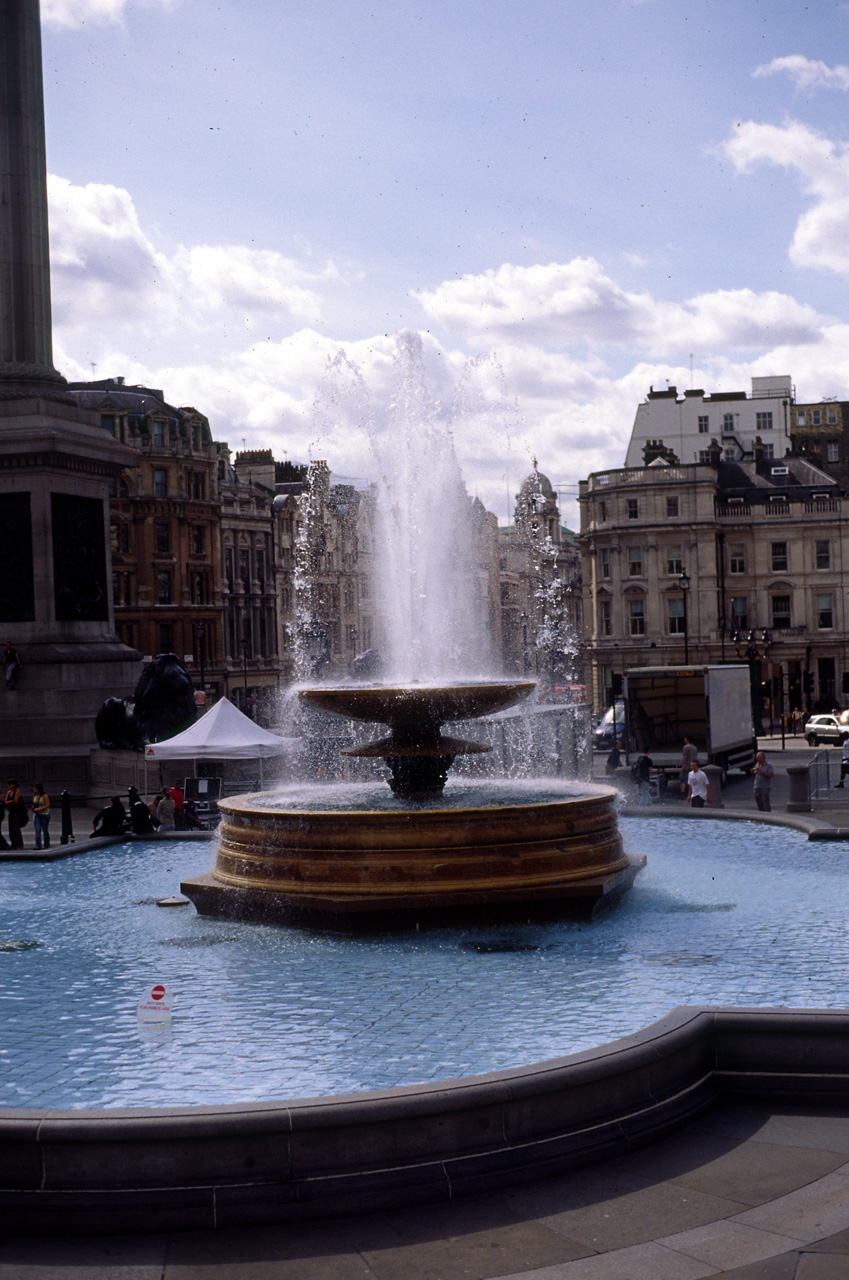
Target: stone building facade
{"points": [[719, 562]]}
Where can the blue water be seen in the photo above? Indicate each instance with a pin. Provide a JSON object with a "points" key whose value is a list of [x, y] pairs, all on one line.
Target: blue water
{"points": [[725, 913]]}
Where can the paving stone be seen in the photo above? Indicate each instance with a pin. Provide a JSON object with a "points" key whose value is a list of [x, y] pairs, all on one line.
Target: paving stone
{"points": [[836, 1243], [728, 1244], [810, 1213], [821, 1266], [643, 1262], [781, 1267], [310, 1251], [633, 1218], [828, 1133], [82, 1258], [756, 1172]]}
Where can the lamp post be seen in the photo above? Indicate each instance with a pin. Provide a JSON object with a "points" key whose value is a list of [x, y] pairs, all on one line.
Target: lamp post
{"points": [[245, 667], [684, 580], [202, 647]]}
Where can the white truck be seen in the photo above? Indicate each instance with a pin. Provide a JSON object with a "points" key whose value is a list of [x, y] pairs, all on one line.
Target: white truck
{"points": [[712, 705]]}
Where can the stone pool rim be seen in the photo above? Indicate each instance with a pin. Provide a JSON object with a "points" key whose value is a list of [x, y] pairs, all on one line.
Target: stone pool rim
{"points": [[124, 1170]]}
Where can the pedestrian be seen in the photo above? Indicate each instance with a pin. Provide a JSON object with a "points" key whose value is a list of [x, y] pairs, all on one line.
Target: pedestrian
{"points": [[688, 755], [41, 816], [698, 787], [613, 760], [763, 781], [176, 794], [844, 763], [17, 813], [11, 666], [165, 811], [644, 768], [111, 821]]}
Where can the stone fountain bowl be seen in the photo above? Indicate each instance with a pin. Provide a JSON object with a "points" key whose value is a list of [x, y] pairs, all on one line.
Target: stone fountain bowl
{"points": [[418, 704]]}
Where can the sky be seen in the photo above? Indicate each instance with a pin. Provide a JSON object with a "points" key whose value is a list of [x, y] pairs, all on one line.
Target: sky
{"points": [[571, 201]]}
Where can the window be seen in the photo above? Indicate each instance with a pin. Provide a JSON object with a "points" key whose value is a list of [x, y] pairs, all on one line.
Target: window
{"points": [[605, 621], [816, 418], [635, 562], [825, 611], [739, 613], [730, 455], [763, 421], [780, 613], [822, 551], [163, 538], [801, 418], [728, 424], [198, 485], [120, 538], [633, 509], [704, 424], [737, 557], [602, 512], [603, 479], [159, 433], [160, 483], [198, 539], [671, 508], [704, 455], [260, 569], [674, 563], [637, 617], [121, 588], [107, 420], [779, 557], [604, 562], [769, 450], [831, 416], [675, 616], [228, 565], [833, 451], [166, 638], [163, 587], [198, 581]]}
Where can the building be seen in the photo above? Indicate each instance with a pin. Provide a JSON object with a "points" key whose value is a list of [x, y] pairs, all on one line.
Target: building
{"points": [[711, 562], [680, 427]]}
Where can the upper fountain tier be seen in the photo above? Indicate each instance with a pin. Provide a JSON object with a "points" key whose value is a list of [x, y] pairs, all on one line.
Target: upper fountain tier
{"points": [[418, 704]]}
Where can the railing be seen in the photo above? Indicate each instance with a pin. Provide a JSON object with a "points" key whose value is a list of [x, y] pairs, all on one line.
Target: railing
{"points": [[822, 506], [733, 510], [819, 773], [777, 508]]}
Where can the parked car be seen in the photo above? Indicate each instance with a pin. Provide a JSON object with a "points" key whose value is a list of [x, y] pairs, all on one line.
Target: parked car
{"points": [[603, 734], [826, 729]]}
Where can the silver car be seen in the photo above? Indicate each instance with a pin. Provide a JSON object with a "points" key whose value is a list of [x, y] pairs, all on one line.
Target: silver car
{"points": [[826, 729]]}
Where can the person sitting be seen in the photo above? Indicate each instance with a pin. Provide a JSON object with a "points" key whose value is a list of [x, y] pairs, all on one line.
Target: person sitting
{"points": [[191, 817], [141, 823], [110, 821]]}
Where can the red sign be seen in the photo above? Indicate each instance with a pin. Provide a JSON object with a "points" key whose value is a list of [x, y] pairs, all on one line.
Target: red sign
{"points": [[158, 993]]}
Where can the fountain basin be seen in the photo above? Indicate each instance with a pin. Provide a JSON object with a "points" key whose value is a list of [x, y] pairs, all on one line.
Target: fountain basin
{"points": [[499, 852]]}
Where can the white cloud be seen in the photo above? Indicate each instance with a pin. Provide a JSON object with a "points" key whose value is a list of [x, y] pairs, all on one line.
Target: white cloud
{"points": [[578, 301], [106, 271], [76, 13], [821, 238], [806, 73]]}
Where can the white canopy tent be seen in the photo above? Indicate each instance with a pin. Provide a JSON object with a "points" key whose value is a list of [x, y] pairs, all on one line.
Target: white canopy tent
{"points": [[223, 733]]}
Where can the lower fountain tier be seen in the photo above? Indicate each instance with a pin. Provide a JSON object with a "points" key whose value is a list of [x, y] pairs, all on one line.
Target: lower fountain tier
{"points": [[366, 870]]}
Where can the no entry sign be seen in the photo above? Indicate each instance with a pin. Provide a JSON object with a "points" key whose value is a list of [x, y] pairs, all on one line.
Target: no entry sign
{"points": [[155, 1004]]}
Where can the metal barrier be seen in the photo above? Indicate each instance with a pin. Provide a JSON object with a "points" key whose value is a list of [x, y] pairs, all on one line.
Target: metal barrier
{"points": [[819, 773]]}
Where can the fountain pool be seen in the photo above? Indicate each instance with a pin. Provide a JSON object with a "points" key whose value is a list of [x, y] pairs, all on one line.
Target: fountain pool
{"points": [[747, 915]]}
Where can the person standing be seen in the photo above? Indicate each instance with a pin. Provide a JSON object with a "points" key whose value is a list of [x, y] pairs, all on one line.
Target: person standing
{"points": [[844, 763], [763, 781], [16, 811], [644, 768], [11, 666], [614, 759], [165, 810], [698, 787], [176, 794], [41, 816], [688, 755]]}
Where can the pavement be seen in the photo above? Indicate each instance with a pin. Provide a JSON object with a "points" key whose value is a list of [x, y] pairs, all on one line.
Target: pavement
{"points": [[754, 1190]]}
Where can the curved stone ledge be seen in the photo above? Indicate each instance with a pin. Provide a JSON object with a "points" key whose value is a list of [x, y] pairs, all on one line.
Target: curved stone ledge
{"points": [[208, 1167]]}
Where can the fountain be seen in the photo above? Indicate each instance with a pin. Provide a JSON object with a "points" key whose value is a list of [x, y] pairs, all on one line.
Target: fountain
{"points": [[352, 857]]}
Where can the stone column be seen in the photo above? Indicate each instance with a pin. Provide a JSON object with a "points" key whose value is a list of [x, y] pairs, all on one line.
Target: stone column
{"points": [[26, 346]]}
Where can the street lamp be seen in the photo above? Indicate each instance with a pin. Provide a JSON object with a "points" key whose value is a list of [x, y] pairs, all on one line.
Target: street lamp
{"points": [[202, 647], [245, 667], [684, 581]]}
